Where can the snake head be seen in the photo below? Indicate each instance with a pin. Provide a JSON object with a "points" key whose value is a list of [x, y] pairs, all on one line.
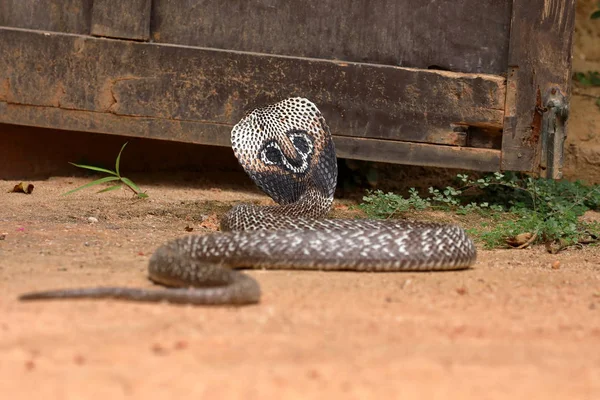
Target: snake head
{"points": [[287, 150]]}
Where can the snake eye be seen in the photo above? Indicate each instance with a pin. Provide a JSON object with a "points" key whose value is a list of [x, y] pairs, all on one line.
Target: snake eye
{"points": [[301, 142], [271, 154]]}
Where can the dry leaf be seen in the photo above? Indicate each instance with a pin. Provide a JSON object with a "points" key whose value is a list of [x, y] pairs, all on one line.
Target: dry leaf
{"points": [[522, 240], [26, 188], [556, 246]]}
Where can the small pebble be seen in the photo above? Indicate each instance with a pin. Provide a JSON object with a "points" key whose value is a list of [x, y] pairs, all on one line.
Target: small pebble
{"points": [[556, 264], [181, 344], [3, 235], [313, 374], [158, 349], [92, 220]]}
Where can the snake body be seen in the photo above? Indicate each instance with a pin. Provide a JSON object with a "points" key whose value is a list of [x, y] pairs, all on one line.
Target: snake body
{"points": [[287, 150]]}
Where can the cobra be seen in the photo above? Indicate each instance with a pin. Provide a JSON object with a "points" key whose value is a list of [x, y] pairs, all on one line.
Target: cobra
{"points": [[287, 150]]}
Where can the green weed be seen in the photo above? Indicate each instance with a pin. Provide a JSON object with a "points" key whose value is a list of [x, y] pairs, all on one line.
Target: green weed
{"points": [[517, 210], [114, 177], [590, 78], [596, 13]]}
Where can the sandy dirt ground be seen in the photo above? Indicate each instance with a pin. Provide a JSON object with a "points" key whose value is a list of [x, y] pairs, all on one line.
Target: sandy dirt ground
{"points": [[520, 324]]}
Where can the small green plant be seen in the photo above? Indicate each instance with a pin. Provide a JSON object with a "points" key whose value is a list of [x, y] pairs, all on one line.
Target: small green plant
{"points": [[590, 78], [596, 14], [518, 210], [378, 204], [114, 176]]}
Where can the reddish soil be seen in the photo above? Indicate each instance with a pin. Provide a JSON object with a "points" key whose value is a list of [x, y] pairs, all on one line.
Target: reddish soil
{"points": [[520, 324]]}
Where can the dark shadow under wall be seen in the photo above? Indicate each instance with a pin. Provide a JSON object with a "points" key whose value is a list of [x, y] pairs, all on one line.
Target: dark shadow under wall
{"points": [[37, 153], [28, 153]]}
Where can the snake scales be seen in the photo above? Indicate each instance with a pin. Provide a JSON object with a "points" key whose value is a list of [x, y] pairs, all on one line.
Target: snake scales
{"points": [[287, 150]]}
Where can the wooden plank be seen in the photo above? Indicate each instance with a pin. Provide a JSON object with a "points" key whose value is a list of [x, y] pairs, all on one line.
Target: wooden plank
{"points": [[219, 87], [461, 35], [203, 133], [539, 61], [122, 19], [100, 122], [424, 154], [71, 16]]}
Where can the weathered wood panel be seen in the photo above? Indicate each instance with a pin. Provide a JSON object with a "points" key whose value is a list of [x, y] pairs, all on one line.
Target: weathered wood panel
{"points": [[71, 16], [218, 87], [463, 36], [128, 19], [99, 122], [418, 154], [539, 60], [203, 133]]}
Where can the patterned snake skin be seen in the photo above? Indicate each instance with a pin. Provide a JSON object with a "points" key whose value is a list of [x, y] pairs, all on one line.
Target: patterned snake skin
{"points": [[287, 150]]}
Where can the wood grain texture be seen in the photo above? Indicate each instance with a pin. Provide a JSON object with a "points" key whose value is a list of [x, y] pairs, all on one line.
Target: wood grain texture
{"points": [[463, 36], [71, 16], [539, 60], [430, 155], [128, 19], [217, 87], [108, 123], [215, 134]]}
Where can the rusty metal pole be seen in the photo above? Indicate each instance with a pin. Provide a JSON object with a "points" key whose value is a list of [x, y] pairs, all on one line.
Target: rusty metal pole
{"points": [[554, 119]]}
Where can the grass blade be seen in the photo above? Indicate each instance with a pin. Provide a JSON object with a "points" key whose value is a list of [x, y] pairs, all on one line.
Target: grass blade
{"points": [[119, 159], [142, 195], [94, 183], [108, 171], [111, 188], [132, 185]]}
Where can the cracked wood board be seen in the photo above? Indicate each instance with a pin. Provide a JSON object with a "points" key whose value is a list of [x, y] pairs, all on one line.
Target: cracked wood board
{"points": [[218, 134], [183, 84], [539, 58], [464, 36], [71, 16], [124, 20]]}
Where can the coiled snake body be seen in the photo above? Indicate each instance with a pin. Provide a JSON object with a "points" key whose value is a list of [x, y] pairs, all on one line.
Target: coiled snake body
{"points": [[287, 150]]}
